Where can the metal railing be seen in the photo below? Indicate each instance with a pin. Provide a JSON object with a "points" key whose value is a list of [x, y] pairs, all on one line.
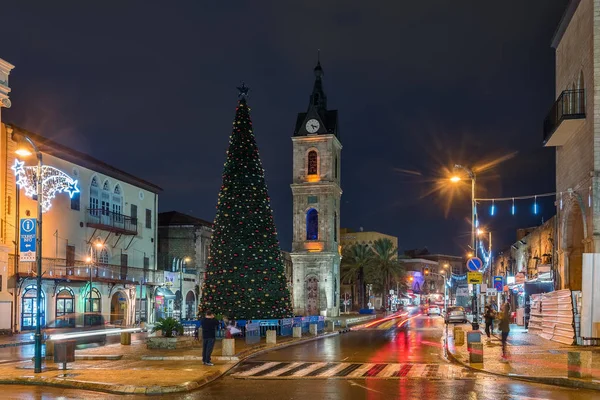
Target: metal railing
{"points": [[56, 268], [569, 105], [109, 220]]}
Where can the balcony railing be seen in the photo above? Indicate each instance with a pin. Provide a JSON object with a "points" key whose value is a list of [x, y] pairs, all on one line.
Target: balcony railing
{"points": [[56, 268], [111, 221], [565, 117]]}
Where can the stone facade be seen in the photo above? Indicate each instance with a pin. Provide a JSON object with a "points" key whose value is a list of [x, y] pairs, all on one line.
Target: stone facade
{"points": [[316, 207]]}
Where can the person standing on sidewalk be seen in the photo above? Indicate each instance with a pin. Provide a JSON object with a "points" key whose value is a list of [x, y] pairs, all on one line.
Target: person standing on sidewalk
{"points": [[489, 316], [504, 327], [209, 328]]}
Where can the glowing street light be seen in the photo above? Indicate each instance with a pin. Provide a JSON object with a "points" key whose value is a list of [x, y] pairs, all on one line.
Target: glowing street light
{"points": [[455, 178]]}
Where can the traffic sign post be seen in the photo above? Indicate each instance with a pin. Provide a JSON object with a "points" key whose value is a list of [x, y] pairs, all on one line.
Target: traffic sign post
{"points": [[498, 283], [474, 265], [475, 278]]}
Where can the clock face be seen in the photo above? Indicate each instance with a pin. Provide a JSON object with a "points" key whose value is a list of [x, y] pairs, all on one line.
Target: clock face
{"points": [[312, 125]]}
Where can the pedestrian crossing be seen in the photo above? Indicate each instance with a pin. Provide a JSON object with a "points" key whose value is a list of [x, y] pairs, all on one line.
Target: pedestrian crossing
{"points": [[345, 370]]}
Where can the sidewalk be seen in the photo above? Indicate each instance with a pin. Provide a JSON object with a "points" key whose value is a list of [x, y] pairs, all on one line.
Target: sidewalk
{"points": [[20, 339], [530, 357], [135, 369]]}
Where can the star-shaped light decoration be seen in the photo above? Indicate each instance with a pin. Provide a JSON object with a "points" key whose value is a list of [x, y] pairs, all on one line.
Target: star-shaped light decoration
{"points": [[72, 188], [243, 91], [18, 167]]}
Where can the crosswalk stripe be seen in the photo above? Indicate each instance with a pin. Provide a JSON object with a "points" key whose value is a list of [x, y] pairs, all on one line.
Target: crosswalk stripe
{"points": [[404, 370], [320, 371], [257, 369], [288, 368], [309, 369], [272, 369], [361, 370], [337, 369], [348, 370], [374, 370], [416, 371], [298, 367], [389, 371]]}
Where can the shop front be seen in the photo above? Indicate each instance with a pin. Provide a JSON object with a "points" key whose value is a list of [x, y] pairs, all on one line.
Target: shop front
{"points": [[164, 300]]}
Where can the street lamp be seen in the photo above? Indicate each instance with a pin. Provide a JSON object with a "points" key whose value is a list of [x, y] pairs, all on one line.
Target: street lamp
{"points": [[90, 260], [182, 262], [472, 176], [25, 152]]}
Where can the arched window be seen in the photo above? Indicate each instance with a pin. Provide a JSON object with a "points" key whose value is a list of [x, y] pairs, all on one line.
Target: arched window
{"points": [[94, 197], [65, 304], [29, 308], [94, 300], [313, 163], [580, 94], [117, 205], [100, 256], [105, 202], [312, 224]]}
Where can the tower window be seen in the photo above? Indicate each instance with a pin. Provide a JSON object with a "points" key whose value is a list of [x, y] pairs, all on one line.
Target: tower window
{"points": [[312, 162], [312, 224]]}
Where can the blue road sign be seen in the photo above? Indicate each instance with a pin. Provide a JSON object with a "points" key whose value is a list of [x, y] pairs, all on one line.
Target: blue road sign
{"points": [[27, 239], [474, 264], [498, 283]]}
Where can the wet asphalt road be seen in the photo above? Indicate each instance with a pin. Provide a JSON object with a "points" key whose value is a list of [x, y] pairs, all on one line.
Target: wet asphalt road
{"points": [[419, 342]]}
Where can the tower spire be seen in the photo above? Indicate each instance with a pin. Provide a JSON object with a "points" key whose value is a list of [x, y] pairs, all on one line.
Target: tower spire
{"points": [[318, 100]]}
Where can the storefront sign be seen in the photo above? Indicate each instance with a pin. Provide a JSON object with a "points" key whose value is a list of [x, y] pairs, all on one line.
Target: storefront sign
{"points": [[27, 239], [491, 292]]}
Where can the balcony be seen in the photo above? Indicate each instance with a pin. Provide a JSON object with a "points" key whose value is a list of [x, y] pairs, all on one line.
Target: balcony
{"points": [[56, 268], [565, 118], [105, 220]]}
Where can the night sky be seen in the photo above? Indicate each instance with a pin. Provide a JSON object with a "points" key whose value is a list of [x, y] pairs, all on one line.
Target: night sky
{"points": [[149, 87]]}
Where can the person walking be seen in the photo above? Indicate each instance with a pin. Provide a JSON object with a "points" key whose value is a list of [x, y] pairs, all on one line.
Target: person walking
{"points": [[504, 327], [489, 316], [209, 328]]}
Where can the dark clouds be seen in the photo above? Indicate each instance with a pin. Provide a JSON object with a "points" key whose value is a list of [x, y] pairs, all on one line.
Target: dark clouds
{"points": [[150, 87]]}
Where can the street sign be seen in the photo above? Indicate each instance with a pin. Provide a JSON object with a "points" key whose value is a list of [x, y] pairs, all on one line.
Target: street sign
{"points": [[475, 278], [462, 291], [474, 264], [498, 283], [27, 239], [491, 292]]}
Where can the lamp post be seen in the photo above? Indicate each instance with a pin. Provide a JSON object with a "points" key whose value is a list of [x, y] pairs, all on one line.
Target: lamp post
{"points": [[472, 176], [99, 245], [24, 152], [181, 262]]}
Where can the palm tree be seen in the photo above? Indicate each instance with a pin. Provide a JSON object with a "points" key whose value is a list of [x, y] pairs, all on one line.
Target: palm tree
{"points": [[386, 263], [355, 260]]}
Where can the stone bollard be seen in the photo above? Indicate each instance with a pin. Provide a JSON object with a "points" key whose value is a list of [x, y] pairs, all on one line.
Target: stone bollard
{"points": [[228, 347], [126, 338], [297, 331], [271, 337], [50, 348], [313, 330], [459, 336], [476, 353], [332, 326], [579, 364]]}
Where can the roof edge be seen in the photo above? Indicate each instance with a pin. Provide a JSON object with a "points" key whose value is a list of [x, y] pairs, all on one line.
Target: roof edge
{"points": [[564, 23]]}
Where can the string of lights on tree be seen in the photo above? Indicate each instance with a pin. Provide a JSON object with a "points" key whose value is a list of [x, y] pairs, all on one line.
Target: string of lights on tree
{"points": [[53, 181], [245, 276]]}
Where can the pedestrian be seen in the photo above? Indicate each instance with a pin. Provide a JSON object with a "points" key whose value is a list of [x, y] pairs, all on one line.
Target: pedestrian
{"points": [[489, 316], [209, 328], [504, 327]]}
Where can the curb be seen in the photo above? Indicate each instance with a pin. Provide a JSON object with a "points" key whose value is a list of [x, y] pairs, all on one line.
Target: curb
{"points": [[154, 390], [15, 344], [547, 380]]}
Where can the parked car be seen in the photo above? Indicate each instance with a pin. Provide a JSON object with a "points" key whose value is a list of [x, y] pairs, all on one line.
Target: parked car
{"points": [[456, 314], [82, 327], [433, 310]]}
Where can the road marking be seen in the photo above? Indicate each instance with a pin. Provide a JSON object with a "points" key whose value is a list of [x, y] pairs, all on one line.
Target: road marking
{"points": [[352, 383], [339, 370]]}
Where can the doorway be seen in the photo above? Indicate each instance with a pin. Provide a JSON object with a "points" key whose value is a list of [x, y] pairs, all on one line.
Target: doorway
{"points": [[312, 296], [118, 305]]}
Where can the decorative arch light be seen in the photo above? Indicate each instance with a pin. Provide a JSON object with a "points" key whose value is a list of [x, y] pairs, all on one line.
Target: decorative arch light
{"points": [[53, 181]]}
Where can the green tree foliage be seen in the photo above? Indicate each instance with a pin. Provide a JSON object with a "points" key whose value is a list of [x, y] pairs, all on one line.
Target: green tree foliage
{"points": [[386, 264], [356, 261], [167, 326], [245, 276]]}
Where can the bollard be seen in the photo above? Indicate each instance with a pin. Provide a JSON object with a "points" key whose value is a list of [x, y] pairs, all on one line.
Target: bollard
{"points": [[271, 337], [459, 337], [228, 347], [313, 330], [297, 331], [126, 338], [476, 353], [49, 348], [332, 329], [579, 364]]}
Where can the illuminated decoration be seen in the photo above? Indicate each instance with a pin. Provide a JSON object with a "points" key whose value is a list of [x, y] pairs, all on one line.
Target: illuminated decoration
{"points": [[245, 276], [493, 209], [535, 206], [53, 181], [513, 207]]}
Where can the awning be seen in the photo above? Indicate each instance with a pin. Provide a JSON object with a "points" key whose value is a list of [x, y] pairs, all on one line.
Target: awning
{"points": [[165, 292]]}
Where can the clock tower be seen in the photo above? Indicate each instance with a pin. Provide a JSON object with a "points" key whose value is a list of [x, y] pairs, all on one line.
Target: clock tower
{"points": [[316, 200]]}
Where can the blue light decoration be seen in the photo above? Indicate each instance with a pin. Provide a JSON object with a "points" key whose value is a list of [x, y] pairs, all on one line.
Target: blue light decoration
{"points": [[493, 209], [53, 181], [535, 206], [513, 207]]}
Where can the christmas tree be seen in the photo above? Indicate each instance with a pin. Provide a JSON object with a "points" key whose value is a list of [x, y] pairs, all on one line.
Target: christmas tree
{"points": [[245, 276]]}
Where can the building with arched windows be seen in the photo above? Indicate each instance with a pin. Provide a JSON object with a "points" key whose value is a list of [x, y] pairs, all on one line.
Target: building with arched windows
{"points": [[99, 234], [316, 194], [571, 128]]}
